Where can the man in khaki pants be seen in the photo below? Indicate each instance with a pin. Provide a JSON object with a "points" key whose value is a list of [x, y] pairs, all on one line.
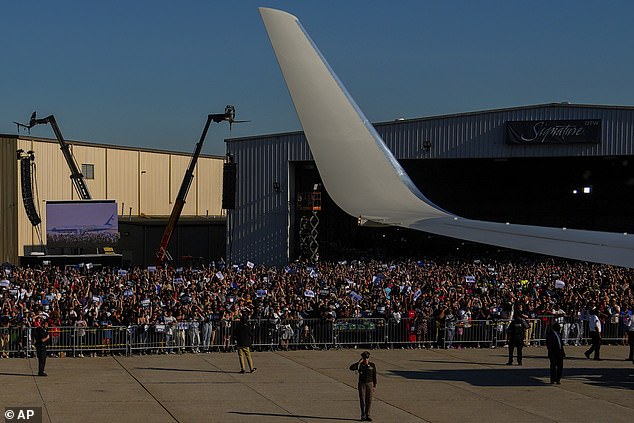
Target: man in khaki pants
{"points": [[243, 335]]}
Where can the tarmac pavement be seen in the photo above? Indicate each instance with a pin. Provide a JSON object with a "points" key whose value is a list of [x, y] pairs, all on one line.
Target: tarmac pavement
{"points": [[465, 385]]}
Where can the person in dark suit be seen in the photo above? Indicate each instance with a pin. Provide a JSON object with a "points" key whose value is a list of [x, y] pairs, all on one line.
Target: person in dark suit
{"points": [[40, 336], [244, 337], [556, 353], [367, 384], [515, 337]]}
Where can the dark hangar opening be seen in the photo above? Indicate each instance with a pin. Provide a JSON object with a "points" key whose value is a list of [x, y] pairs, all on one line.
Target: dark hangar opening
{"points": [[593, 193]]}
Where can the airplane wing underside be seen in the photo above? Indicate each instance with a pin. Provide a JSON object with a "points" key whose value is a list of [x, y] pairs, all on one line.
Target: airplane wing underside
{"points": [[363, 177]]}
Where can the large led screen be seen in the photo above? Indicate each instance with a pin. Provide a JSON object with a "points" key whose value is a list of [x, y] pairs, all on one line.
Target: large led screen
{"points": [[81, 224]]}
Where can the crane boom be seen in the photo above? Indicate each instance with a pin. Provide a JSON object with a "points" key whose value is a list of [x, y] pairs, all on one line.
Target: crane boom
{"points": [[76, 176], [161, 253], [181, 196]]}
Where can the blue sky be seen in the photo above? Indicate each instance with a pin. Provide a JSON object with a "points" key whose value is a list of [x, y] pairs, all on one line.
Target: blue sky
{"points": [[147, 73]]}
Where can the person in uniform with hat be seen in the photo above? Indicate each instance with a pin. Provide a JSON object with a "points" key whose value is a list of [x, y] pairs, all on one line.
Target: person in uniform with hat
{"points": [[40, 335], [367, 383]]}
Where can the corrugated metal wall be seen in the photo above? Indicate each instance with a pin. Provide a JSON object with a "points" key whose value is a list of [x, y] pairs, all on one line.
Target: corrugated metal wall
{"points": [[259, 228], [154, 184], [142, 182], [97, 157], [208, 190], [122, 168], [8, 199], [481, 135]]}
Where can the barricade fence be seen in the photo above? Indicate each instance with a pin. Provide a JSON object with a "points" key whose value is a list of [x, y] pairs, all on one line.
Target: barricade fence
{"points": [[285, 334]]}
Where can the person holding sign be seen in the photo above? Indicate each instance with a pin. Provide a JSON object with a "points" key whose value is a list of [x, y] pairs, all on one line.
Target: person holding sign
{"points": [[366, 385]]}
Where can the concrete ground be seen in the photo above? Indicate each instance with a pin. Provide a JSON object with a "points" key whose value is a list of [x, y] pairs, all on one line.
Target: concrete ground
{"points": [[467, 385]]}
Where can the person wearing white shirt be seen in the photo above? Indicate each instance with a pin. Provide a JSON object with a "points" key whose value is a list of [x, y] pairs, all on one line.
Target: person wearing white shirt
{"points": [[594, 326]]}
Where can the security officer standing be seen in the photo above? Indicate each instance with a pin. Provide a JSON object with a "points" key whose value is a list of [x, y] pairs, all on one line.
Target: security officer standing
{"points": [[40, 335], [515, 337], [556, 353], [367, 383]]}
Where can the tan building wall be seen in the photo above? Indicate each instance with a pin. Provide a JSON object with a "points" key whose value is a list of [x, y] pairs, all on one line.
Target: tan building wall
{"points": [[178, 167], [208, 201], [143, 183], [96, 156], [9, 173], [154, 193], [122, 168]]}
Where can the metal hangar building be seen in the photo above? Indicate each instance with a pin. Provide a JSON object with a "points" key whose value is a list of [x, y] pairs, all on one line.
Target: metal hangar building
{"points": [[143, 182], [558, 164]]}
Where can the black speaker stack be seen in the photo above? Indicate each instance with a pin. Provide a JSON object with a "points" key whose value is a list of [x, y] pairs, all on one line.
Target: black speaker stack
{"points": [[27, 190], [229, 171]]}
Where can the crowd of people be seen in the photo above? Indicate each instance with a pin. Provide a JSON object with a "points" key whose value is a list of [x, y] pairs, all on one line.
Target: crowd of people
{"points": [[448, 290]]}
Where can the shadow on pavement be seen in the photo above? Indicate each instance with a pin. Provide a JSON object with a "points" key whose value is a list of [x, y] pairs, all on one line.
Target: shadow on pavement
{"points": [[518, 376], [168, 369], [17, 374], [501, 363], [293, 416]]}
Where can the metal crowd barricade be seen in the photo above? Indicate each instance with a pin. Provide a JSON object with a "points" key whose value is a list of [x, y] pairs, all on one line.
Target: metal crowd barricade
{"points": [[158, 338], [475, 333], [273, 334], [179, 337], [80, 341], [266, 333], [613, 330], [369, 332], [64, 340], [224, 338], [15, 342], [401, 332], [305, 334], [461, 333], [471, 333]]}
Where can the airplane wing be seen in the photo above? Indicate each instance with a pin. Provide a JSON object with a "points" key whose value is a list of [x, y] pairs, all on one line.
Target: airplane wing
{"points": [[363, 177]]}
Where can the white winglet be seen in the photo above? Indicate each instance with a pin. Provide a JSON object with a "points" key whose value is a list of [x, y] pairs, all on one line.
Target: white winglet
{"points": [[363, 177]]}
